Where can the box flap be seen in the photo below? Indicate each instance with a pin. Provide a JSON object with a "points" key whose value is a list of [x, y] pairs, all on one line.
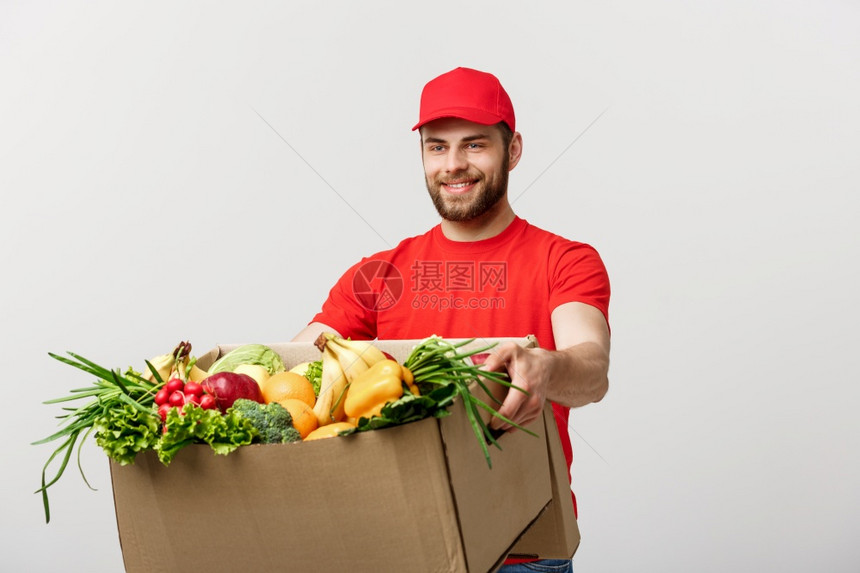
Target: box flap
{"points": [[490, 521], [555, 534]]}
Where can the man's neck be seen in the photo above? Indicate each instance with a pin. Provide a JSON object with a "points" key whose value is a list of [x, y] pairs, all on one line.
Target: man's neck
{"points": [[486, 226]]}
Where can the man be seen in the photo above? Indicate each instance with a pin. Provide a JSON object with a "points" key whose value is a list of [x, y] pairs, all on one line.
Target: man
{"points": [[483, 271]]}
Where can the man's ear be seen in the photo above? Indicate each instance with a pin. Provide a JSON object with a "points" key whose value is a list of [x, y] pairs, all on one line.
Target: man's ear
{"points": [[515, 150]]}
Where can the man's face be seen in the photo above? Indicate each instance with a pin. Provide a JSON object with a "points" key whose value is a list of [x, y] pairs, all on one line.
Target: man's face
{"points": [[466, 167]]}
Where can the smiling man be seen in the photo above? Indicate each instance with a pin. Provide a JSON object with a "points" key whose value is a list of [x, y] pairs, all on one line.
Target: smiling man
{"points": [[466, 166], [483, 271]]}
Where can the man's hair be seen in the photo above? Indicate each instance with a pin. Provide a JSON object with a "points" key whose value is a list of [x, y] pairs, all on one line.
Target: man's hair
{"points": [[507, 134]]}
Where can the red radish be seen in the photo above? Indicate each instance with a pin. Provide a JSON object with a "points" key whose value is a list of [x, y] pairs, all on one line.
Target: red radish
{"points": [[173, 385], [227, 387], [207, 401], [163, 410], [192, 399], [177, 399], [193, 388], [161, 396]]}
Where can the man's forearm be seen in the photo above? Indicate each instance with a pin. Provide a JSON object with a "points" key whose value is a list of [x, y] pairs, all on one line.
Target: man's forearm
{"points": [[579, 375]]}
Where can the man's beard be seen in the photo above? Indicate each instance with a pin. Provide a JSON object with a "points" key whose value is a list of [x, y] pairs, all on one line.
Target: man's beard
{"points": [[484, 197]]}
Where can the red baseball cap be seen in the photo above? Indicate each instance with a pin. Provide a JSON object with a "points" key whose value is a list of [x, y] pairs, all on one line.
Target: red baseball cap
{"points": [[467, 94]]}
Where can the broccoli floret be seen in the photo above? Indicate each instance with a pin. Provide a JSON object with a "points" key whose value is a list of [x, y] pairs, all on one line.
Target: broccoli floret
{"points": [[273, 422]]}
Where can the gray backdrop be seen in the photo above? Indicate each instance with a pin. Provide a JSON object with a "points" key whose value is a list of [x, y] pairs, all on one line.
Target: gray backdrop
{"points": [[206, 170]]}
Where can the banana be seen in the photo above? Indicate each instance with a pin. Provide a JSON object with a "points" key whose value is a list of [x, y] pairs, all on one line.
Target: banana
{"points": [[369, 353], [350, 362], [197, 374], [329, 404], [168, 365], [163, 365]]}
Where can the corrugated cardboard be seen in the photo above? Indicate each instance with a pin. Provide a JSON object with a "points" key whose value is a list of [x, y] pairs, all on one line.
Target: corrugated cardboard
{"points": [[417, 497], [555, 534]]}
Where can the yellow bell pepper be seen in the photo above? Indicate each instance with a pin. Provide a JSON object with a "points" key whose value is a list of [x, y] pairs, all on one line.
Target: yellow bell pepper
{"points": [[370, 391], [410, 380]]}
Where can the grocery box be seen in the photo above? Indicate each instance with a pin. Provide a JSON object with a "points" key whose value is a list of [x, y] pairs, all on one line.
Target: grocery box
{"points": [[416, 497], [555, 534]]}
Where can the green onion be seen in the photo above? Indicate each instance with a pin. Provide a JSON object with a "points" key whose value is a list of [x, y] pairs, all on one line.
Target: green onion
{"points": [[437, 362], [109, 392]]}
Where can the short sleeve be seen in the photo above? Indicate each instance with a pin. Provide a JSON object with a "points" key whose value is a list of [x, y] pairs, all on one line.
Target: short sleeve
{"points": [[343, 311], [578, 275]]}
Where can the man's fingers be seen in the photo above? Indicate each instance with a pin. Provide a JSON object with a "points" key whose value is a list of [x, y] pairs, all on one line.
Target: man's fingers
{"points": [[518, 408], [499, 359], [510, 408]]}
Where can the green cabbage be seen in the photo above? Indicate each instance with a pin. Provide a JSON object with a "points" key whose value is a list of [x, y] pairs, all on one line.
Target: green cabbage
{"points": [[249, 354]]}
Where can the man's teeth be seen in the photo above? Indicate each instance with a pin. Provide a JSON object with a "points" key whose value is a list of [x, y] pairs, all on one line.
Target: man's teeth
{"points": [[458, 185]]}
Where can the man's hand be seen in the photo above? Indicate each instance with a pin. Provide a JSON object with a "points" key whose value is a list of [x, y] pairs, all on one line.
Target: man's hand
{"points": [[529, 370], [574, 375]]}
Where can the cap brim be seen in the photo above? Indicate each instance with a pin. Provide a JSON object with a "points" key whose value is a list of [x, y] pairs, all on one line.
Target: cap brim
{"points": [[469, 114]]}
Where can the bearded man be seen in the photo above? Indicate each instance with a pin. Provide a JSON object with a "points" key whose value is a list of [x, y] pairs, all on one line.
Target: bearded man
{"points": [[483, 271]]}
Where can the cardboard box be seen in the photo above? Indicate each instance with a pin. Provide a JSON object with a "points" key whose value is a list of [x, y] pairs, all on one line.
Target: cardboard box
{"points": [[417, 497], [555, 534]]}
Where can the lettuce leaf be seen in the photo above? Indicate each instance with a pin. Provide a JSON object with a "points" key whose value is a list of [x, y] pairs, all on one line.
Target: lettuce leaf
{"points": [[123, 431], [314, 375], [223, 433]]}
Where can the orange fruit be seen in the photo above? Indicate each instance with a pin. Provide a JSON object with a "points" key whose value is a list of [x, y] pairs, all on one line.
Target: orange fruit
{"points": [[304, 419], [286, 386], [329, 431]]}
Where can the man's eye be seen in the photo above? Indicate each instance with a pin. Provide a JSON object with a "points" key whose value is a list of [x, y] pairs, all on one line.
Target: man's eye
{"points": [[473, 146]]}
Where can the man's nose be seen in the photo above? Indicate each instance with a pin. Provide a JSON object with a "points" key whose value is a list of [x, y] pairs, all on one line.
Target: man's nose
{"points": [[456, 161]]}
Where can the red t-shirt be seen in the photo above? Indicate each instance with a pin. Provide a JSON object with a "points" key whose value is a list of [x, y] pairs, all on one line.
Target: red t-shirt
{"points": [[504, 286]]}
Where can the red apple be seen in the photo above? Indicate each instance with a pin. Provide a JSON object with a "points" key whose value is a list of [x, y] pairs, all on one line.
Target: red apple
{"points": [[227, 387]]}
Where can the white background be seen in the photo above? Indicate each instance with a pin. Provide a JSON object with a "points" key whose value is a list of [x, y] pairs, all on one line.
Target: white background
{"points": [[206, 170]]}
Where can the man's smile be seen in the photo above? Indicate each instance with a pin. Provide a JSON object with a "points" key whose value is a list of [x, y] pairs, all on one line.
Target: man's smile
{"points": [[459, 187]]}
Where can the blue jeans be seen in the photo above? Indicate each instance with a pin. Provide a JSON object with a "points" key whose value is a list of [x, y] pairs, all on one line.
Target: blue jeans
{"points": [[544, 565]]}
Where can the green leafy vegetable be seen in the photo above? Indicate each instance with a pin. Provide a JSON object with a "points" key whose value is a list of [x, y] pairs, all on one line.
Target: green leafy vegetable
{"points": [[249, 354], [437, 363], [224, 433], [314, 374], [410, 408], [111, 393], [124, 431]]}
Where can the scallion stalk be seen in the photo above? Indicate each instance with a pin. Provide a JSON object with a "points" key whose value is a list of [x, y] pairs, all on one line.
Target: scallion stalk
{"points": [[438, 362]]}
